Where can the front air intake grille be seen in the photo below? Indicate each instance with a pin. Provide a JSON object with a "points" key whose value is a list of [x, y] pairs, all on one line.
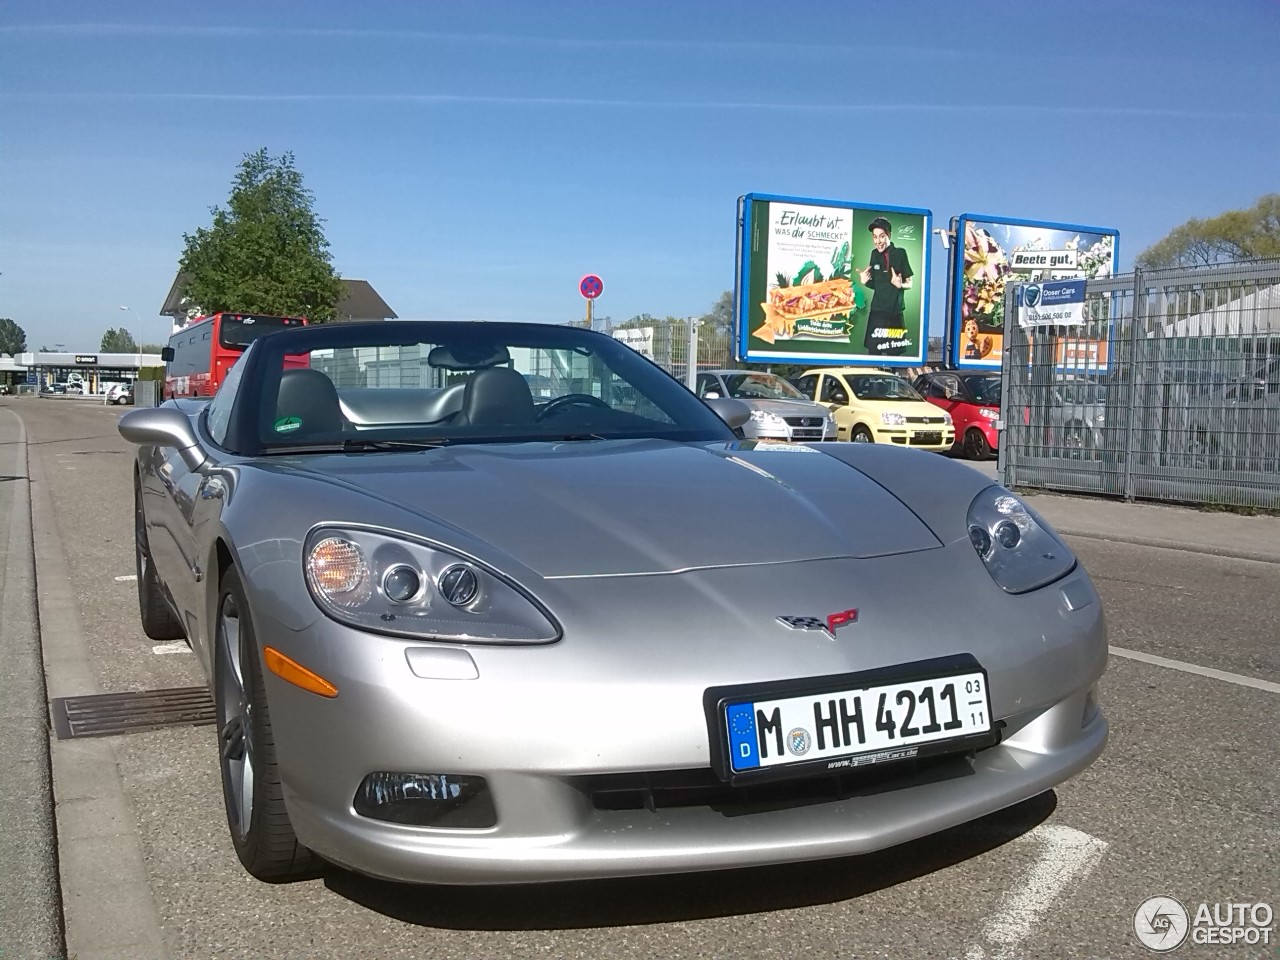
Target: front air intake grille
{"points": [[665, 789]]}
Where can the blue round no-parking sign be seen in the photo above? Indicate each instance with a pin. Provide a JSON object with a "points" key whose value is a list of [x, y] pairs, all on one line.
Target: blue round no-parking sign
{"points": [[591, 286]]}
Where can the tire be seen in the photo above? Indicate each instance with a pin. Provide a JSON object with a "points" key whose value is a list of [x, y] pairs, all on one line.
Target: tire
{"points": [[975, 444], [159, 622], [259, 824], [862, 435]]}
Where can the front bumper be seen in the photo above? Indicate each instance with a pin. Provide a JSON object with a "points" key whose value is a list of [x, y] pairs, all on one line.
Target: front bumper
{"points": [[754, 431], [938, 440], [1047, 748], [542, 724]]}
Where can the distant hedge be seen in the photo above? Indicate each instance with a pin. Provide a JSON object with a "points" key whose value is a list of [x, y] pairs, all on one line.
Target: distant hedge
{"points": [[151, 373]]}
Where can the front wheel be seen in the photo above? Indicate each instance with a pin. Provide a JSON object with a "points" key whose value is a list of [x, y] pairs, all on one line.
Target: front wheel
{"points": [[260, 829], [975, 445], [862, 435]]}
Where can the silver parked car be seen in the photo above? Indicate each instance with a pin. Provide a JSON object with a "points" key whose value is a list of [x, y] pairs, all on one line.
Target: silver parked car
{"points": [[456, 633], [778, 410]]}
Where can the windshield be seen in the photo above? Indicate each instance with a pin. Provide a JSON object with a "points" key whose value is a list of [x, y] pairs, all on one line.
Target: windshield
{"points": [[760, 386], [240, 330], [364, 387], [984, 389], [881, 387]]}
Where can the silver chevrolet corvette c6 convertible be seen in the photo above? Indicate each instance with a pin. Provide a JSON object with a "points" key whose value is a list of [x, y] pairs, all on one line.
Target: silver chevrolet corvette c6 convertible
{"points": [[459, 634]]}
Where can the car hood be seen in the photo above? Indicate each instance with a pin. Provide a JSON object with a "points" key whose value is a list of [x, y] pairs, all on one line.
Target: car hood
{"points": [[619, 507], [786, 408]]}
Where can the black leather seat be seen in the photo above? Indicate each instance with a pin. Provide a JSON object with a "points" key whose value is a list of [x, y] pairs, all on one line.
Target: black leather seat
{"points": [[310, 397], [497, 395]]}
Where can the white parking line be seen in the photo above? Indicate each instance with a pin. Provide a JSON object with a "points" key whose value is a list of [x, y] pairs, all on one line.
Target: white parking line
{"points": [[1197, 670], [177, 646], [129, 576], [1065, 856]]}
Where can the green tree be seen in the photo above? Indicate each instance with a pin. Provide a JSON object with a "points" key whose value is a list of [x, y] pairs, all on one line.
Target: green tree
{"points": [[720, 317], [118, 341], [1234, 235], [13, 339], [266, 253]]}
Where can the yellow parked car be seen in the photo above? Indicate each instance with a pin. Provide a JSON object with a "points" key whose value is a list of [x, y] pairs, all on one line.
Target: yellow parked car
{"points": [[876, 406]]}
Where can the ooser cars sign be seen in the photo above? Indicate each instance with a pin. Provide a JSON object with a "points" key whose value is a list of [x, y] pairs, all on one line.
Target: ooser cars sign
{"points": [[826, 281], [991, 252]]}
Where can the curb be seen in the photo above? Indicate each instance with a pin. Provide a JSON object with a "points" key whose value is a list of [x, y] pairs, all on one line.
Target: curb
{"points": [[109, 911], [1182, 545], [30, 906]]}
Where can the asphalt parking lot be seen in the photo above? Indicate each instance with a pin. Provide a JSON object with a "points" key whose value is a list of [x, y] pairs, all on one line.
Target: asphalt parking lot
{"points": [[1184, 802]]}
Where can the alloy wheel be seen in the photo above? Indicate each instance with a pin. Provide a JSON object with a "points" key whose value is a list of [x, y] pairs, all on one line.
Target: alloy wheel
{"points": [[235, 720]]}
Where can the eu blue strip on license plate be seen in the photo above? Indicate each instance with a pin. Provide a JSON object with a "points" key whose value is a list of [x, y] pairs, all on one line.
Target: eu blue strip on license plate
{"points": [[854, 727]]}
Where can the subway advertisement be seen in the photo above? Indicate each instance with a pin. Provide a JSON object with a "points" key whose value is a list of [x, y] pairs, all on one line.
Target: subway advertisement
{"points": [[991, 252], [830, 282]]}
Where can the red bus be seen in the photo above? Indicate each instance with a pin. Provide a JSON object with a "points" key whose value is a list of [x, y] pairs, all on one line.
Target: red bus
{"points": [[200, 354]]}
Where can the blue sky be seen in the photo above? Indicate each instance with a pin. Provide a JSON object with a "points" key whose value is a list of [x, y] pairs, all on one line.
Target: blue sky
{"points": [[475, 159]]}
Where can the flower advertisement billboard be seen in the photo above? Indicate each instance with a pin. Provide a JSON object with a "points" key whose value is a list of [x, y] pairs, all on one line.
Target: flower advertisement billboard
{"points": [[830, 282], [990, 253]]}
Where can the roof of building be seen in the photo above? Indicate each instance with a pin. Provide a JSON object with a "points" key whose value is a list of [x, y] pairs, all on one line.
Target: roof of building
{"points": [[359, 301]]}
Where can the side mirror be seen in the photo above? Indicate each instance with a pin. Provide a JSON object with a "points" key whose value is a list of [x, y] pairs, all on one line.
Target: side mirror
{"points": [[164, 427], [166, 354], [733, 412]]}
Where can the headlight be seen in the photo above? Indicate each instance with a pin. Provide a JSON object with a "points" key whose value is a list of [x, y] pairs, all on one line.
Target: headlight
{"points": [[1020, 553], [989, 413], [894, 419], [946, 418], [767, 419], [386, 584]]}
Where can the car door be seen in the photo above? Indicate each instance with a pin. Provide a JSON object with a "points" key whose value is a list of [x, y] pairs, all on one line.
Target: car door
{"points": [[166, 490], [834, 395]]}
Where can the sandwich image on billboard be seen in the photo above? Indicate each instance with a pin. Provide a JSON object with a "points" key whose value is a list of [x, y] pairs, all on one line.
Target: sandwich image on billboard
{"points": [[992, 252], [825, 281]]}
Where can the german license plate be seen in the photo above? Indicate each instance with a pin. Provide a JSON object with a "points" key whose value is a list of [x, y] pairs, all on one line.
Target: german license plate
{"points": [[932, 436], [853, 725]]}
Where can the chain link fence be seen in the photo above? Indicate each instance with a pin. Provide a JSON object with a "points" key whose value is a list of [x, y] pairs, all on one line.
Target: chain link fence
{"points": [[1169, 391]]}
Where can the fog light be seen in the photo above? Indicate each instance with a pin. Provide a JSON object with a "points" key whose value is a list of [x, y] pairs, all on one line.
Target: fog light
{"points": [[426, 800]]}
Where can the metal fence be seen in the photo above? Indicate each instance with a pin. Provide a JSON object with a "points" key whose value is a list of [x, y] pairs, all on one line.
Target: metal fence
{"points": [[668, 343], [1169, 391]]}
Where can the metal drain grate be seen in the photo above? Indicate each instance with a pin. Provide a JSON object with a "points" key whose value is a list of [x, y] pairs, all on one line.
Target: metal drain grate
{"points": [[106, 714]]}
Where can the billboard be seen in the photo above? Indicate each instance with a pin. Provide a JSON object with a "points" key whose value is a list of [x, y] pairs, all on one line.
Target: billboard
{"points": [[991, 252], [831, 282]]}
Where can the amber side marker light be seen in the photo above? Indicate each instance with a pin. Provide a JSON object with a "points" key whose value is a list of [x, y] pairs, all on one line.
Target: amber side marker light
{"points": [[297, 674]]}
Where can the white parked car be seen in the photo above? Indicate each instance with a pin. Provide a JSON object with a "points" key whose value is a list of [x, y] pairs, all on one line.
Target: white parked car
{"points": [[778, 410]]}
